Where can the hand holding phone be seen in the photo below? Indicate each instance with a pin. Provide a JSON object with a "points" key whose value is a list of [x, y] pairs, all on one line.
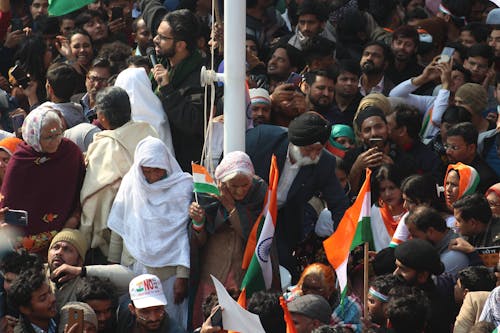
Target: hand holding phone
{"points": [[446, 54], [16, 217], [216, 318], [116, 13], [295, 79], [76, 317]]}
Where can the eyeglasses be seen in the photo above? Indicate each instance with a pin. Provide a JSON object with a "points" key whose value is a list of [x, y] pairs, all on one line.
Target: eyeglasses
{"points": [[165, 37], [51, 137], [493, 204], [97, 79]]}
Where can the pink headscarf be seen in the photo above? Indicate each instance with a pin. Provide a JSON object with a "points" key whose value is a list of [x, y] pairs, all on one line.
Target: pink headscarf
{"points": [[232, 163]]}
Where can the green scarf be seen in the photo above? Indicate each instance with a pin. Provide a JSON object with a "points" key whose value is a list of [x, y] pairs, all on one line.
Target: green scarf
{"points": [[180, 72]]}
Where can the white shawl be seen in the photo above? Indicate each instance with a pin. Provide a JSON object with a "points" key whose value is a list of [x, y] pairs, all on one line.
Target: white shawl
{"points": [[152, 218], [146, 106]]}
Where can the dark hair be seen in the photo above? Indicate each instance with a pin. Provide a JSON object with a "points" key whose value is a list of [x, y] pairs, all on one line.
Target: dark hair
{"points": [[23, 286], [317, 47], [460, 49], [100, 62], [294, 55], [477, 278], [138, 61], [406, 31], [117, 54], [425, 217], [409, 117], [350, 25], [458, 9], [80, 31], [114, 103], [94, 288], [382, 11], [384, 261], [314, 7], [474, 206], [481, 50], [310, 77], [417, 14], [455, 114], [185, 27], [465, 130], [461, 69], [384, 283], [420, 188], [87, 15], [346, 66], [63, 80], [497, 79], [386, 50], [267, 305], [16, 263], [478, 30], [30, 55], [409, 311], [385, 172]]}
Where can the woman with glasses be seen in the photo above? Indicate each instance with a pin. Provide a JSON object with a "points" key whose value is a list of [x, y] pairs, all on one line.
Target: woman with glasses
{"points": [[43, 178], [493, 197]]}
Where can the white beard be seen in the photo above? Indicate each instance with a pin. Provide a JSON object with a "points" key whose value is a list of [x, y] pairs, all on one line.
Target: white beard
{"points": [[301, 160]]}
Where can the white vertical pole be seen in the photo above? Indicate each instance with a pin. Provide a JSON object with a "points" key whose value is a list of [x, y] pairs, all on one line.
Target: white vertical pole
{"points": [[234, 75]]}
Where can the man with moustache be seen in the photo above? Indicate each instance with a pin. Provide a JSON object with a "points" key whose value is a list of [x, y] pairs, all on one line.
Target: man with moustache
{"points": [[305, 170], [177, 77], [145, 310], [32, 296], [374, 61], [347, 97], [320, 90], [66, 270], [376, 148]]}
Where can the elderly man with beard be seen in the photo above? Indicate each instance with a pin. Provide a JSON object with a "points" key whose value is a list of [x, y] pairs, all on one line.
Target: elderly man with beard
{"points": [[374, 61], [66, 270], [305, 170]]}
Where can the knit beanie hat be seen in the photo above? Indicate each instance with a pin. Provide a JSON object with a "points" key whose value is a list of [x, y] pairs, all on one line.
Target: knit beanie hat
{"points": [[474, 96], [74, 237], [88, 314]]}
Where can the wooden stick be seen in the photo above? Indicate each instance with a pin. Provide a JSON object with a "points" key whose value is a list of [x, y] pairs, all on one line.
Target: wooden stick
{"points": [[365, 280]]}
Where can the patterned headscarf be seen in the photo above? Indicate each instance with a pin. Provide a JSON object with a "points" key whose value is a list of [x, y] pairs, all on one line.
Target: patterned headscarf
{"points": [[232, 163], [469, 178], [32, 126]]}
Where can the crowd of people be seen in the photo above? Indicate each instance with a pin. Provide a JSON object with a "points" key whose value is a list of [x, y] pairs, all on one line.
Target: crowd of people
{"points": [[102, 114]]}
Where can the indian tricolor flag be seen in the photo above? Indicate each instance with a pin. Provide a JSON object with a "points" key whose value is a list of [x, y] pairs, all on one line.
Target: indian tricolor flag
{"points": [[203, 182], [496, 330], [354, 229], [257, 258]]}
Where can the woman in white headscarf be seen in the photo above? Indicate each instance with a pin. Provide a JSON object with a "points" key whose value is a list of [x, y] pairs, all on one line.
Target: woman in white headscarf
{"points": [[146, 106], [150, 214]]}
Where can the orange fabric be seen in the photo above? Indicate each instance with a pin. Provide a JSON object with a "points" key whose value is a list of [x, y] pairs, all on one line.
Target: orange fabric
{"points": [[290, 327], [338, 245], [10, 144], [389, 222]]}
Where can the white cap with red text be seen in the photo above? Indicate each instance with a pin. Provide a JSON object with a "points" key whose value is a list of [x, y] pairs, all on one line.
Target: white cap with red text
{"points": [[146, 291]]}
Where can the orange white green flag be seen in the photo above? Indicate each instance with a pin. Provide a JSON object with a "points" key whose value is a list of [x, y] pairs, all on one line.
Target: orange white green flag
{"points": [[202, 181], [259, 272], [354, 229]]}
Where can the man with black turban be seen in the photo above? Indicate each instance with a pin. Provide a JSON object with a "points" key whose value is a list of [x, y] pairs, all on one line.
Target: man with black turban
{"points": [[306, 169]]}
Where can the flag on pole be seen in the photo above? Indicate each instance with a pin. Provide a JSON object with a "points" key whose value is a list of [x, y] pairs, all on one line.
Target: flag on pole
{"points": [[354, 229], [290, 327], [63, 7], [259, 272], [202, 181]]}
